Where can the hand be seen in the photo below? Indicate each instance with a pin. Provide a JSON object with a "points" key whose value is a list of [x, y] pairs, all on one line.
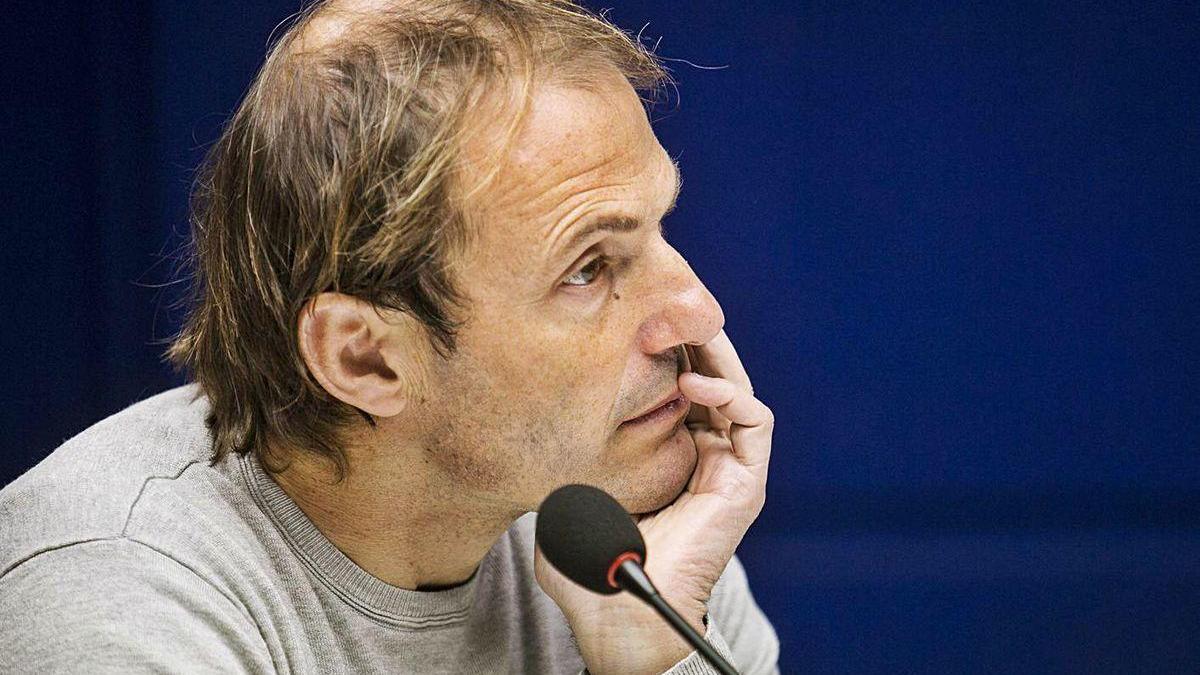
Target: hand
{"points": [[690, 541]]}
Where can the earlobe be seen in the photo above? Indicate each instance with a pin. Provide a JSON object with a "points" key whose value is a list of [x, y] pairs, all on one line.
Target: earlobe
{"points": [[351, 352]]}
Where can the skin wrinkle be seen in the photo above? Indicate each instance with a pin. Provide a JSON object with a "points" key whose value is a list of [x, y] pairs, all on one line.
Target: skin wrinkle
{"points": [[544, 375], [568, 224], [573, 226], [348, 93], [569, 184], [580, 215]]}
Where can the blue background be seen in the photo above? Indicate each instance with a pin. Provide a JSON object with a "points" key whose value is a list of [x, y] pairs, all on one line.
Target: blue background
{"points": [[958, 249]]}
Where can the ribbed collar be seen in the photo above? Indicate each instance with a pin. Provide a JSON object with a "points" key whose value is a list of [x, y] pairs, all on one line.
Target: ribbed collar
{"points": [[374, 597]]}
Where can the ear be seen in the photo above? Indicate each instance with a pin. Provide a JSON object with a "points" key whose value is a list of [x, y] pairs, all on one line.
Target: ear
{"points": [[362, 356]]}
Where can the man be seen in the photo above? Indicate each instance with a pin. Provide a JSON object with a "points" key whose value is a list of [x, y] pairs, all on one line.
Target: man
{"points": [[431, 287]]}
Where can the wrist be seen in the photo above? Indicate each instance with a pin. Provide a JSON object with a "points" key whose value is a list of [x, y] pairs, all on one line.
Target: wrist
{"points": [[630, 637]]}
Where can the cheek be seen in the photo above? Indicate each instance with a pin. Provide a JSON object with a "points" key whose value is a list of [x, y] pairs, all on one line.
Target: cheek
{"points": [[546, 366], [540, 397], [515, 450], [574, 374]]}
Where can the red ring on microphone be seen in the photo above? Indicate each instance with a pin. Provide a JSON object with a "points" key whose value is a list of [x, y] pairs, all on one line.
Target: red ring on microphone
{"points": [[612, 569]]}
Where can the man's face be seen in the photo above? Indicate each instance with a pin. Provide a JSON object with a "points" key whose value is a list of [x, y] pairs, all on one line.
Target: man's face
{"points": [[577, 313]]}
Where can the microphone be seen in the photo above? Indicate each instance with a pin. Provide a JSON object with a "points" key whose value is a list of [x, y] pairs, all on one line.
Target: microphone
{"points": [[588, 537]]}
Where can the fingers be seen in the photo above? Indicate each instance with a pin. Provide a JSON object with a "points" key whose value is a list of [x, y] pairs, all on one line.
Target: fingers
{"points": [[736, 403], [719, 382], [752, 422], [697, 414], [702, 416], [718, 358]]}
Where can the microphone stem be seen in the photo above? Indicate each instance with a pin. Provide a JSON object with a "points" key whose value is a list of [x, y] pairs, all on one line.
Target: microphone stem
{"points": [[632, 578]]}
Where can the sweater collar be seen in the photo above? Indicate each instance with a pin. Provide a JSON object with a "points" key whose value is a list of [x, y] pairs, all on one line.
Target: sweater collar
{"points": [[343, 576]]}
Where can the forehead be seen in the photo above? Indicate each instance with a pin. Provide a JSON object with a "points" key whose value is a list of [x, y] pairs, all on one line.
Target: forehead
{"points": [[572, 131], [576, 149]]}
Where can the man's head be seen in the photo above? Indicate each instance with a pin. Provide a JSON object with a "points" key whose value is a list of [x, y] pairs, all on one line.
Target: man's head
{"points": [[436, 226]]}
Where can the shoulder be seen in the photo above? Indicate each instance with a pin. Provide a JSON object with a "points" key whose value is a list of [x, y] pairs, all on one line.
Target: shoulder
{"points": [[87, 488], [106, 545], [120, 605]]}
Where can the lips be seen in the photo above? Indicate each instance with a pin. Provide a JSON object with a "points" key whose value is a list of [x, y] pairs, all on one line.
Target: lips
{"points": [[669, 398]]}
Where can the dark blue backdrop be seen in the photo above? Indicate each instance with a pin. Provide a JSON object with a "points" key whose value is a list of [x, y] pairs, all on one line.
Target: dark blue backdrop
{"points": [[957, 245]]}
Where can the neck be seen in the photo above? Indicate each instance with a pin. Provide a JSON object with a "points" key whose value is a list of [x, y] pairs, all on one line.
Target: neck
{"points": [[395, 517]]}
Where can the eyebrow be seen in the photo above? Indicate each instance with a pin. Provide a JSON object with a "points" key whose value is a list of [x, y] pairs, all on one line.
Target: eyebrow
{"points": [[618, 224]]}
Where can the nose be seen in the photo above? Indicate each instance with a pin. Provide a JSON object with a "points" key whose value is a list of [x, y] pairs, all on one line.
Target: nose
{"points": [[684, 313]]}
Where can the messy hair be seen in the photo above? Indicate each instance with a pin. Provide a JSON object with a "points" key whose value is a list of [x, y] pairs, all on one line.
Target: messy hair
{"points": [[337, 173]]}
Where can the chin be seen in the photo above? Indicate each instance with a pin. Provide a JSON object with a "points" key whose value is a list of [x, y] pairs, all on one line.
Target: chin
{"points": [[662, 477]]}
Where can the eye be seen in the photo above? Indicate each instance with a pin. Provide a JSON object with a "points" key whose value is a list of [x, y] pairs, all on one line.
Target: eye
{"points": [[588, 273]]}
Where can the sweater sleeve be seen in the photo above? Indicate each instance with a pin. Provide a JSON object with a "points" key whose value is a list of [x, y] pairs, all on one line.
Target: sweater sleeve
{"points": [[737, 629], [115, 605]]}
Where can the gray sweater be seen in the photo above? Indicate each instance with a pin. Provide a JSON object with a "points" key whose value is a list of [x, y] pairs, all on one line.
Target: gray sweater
{"points": [[125, 550]]}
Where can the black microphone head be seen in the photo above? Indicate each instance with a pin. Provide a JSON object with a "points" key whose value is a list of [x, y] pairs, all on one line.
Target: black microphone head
{"points": [[582, 531]]}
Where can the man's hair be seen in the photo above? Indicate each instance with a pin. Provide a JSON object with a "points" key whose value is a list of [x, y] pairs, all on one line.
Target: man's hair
{"points": [[337, 173]]}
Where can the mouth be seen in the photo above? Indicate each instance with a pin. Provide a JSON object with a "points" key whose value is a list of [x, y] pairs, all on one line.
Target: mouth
{"points": [[669, 409]]}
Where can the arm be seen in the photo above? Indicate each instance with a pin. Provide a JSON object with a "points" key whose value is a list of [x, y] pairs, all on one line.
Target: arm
{"points": [[115, 605], [736, 628], [736, 620]]}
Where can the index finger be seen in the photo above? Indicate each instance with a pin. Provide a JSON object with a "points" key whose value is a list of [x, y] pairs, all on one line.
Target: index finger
{"points": [[720, 359]]}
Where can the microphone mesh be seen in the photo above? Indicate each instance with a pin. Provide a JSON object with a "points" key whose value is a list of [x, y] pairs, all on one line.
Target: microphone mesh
{"points": [[581, 531]]}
